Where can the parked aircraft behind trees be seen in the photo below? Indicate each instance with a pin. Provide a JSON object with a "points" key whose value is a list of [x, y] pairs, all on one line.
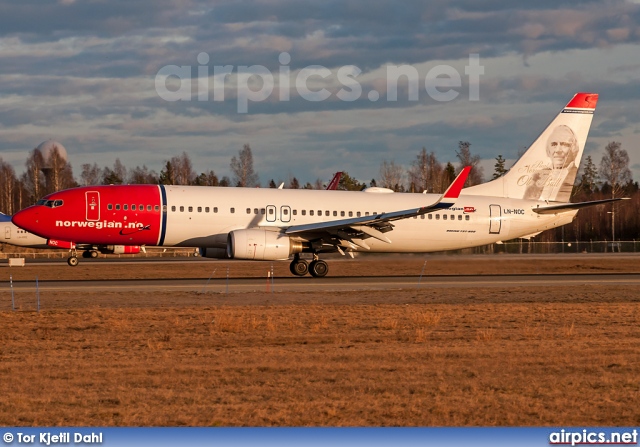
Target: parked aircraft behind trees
{"points": [[275, 224]]}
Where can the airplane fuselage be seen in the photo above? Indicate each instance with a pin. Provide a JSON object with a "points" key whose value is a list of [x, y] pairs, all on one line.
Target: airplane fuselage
{"points": [[195, 216]]}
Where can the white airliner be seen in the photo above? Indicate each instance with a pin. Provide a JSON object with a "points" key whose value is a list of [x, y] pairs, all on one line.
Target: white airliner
{"points": [[275, 224]]}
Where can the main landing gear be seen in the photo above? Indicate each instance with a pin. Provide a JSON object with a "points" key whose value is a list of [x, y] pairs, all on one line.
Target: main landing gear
{"points": [[317, 268], [89, 254]]}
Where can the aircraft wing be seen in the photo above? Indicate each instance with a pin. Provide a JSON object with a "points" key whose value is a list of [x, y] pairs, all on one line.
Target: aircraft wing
{"points": [[349, 232], [554, 209]]}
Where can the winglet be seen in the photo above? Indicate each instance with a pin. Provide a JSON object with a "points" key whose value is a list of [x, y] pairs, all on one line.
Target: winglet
{"points": [[453, 191]]}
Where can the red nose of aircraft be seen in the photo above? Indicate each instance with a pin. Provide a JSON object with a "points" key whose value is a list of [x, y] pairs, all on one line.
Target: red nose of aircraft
{"points": [[27, 219]]}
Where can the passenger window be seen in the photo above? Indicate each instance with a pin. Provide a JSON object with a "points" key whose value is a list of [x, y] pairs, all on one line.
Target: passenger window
{"points": [[117, 207], [285, 212], [262, 211], [110, 207], [157, 207], [437, 216], [310, 212], [295, 212], [255, 211], [233, 210], [430, 216], [248, 210], [271, 211], [191, 209], [319, 212], [182, 209], [366, 214], [149, 208], [57, 203], [326, 213], [335, 214], [444, 217], [215, 209], [304, 212], [466, 217], [141, 207], [453, 217], [341, 213], [206, 209], [350, 213], [358, 214], [125, 207], [199, 209], [173, 209], [459, 216], [133, 207], [422, 216]]}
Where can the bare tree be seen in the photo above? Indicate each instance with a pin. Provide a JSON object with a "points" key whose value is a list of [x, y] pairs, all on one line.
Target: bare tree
{"points": [[91, 174], [466, 159], [614, 167], [242, 168], [33, 177], [614, 170], [183, 169], [391, 176], [143, 176], [7, 187], [425, 173]]}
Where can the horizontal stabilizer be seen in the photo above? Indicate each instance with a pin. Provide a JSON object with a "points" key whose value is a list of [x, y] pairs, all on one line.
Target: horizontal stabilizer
{"points": [[564, 207]]}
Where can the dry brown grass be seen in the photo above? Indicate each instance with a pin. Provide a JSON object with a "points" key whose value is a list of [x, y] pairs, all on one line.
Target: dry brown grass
{"points": [[434, 357], [418, 363]]}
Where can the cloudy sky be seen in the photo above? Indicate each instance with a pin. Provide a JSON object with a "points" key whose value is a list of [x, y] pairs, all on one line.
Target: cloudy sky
{"points": [[90, 74]]}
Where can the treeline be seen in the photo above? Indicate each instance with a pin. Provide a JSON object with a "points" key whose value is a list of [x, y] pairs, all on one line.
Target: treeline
{"points": [[611, 178]]}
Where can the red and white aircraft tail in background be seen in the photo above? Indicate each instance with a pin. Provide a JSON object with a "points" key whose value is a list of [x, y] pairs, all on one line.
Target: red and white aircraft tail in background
{"points": [[274, 224]]}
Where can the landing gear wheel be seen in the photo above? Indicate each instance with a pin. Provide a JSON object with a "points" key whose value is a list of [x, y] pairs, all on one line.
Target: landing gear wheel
{"points": [[318, 269], [299, 267], [72, 261], [94, 254]]}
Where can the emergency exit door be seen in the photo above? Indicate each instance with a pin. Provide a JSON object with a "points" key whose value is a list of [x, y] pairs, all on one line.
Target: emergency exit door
{"points": [[495, 219]]}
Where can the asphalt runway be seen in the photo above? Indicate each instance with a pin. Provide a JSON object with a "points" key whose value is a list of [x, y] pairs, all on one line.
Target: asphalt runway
{"points": [[328, 284]]}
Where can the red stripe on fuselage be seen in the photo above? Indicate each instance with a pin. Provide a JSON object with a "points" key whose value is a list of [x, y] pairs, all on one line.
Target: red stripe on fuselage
{"points": [[117, 226]]}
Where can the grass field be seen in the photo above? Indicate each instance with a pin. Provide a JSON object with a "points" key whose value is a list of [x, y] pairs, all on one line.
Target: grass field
{"points": [[426, 357]]}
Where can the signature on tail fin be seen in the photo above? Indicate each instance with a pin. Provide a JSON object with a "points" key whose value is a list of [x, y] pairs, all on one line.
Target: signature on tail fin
{"points": [[548, 169]]}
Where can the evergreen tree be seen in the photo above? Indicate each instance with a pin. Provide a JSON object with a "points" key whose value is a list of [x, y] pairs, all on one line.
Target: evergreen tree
{"points": [[348, 183], [500, 169], [589, 179]]}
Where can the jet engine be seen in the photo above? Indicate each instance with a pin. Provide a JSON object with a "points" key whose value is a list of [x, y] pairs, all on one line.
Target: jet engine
{"points": [[261, 245], [215, 253]]}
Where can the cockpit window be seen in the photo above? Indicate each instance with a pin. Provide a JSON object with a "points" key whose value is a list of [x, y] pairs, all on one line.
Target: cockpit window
{"points": [[50, 203]]}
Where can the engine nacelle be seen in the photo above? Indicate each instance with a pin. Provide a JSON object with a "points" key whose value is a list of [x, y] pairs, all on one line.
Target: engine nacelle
{"points": [[215, 253], [260, 245], [119, 249]]}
